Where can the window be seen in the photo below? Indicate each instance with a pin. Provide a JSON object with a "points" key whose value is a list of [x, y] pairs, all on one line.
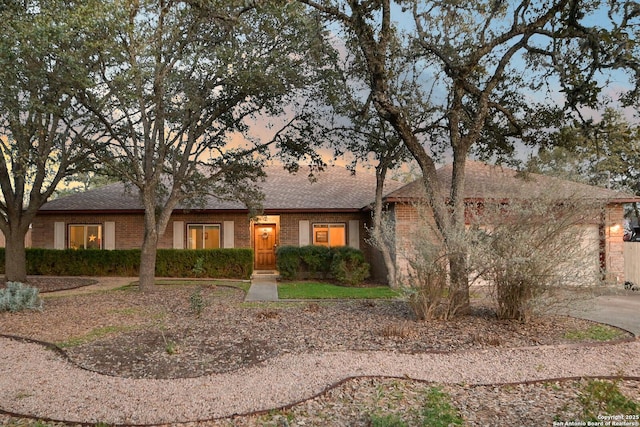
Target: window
{"points": [[203, 236], [86, 236], [330, 235]]}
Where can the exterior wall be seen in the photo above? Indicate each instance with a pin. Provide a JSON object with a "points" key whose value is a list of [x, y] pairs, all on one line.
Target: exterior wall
{"points": [[129, 232], [410, 224], [290, 225], [241, 230], [614, 244], [611, 248], [129, 228]]}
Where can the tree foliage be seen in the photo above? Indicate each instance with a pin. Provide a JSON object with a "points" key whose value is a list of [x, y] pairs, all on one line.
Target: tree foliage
{"points": [[41, 47], [177, 82], [605, 152], [478, 57]]}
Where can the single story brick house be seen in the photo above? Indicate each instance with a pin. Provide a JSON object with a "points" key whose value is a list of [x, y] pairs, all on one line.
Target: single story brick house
{"points": [[332, 210], [484, 182]]}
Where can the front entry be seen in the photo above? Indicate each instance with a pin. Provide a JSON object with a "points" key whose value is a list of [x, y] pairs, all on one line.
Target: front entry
{"points": [[264, 238]]}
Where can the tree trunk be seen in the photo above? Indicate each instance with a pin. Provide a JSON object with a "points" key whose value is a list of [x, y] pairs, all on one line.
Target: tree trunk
{"points": [[155, 225], [378, 234], [149, 247], [456, 245], [148, 261], [459, 301], [15, 265]]}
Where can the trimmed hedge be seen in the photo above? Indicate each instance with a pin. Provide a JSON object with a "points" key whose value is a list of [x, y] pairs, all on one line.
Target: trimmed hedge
{"points": [[348, 266], [219, 263], [345, 264]]}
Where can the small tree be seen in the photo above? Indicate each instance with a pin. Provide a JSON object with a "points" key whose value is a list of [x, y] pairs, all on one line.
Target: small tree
{"points": [[423, 264], [531, 252]]}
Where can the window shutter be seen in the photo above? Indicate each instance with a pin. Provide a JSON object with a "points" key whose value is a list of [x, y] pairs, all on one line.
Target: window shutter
{"points": [[178, 234], [58, 235], [303, 233], [354, 233], [109, 235], [229, 238]]}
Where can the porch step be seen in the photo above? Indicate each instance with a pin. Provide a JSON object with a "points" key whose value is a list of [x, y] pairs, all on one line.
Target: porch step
{"points": [[265, 274]]}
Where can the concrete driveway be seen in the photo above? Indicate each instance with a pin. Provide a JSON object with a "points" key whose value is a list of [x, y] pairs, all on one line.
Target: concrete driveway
{"points": [[621, 310]]}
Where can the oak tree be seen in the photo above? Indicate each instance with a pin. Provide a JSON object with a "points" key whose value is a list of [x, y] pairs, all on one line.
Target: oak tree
{"points": [[484, 55], [177, 82], [41, 47]]}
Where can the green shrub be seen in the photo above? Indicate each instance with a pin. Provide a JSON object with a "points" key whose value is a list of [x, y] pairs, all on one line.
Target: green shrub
{"points": [[348, 266], [605, 397], [197, 302], [219, 263], [317, 259], [345, 264], [288, 261], [18, 297]]}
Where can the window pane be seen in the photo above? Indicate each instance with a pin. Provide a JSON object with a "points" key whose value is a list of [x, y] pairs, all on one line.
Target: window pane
{"points": [[85, 236], [93, 237], [212, 237], [203, 236], [76, 237], [329, 235], [337, 235], [321, 234], [195, 237]]}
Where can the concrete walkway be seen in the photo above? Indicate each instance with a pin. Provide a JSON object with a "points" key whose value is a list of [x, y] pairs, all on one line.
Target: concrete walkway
{"points": [[263, 287]]}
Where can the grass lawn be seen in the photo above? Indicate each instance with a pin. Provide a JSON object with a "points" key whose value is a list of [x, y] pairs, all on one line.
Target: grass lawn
{"points": [[241, 284], [317, 290]]}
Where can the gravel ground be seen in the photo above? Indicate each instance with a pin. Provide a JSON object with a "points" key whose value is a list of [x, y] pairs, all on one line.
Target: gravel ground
{"points": [[39, 383], [238, 358]]}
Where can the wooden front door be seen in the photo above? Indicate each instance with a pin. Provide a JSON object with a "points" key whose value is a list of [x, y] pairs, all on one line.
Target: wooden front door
{"points": [[264, 237]]}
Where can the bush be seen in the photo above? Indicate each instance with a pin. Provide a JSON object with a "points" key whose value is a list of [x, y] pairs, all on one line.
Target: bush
{"points": [[219, 263], [425, 281], [317, 259], [530, 252], [348, 266], [288, 261], [18, 297]]}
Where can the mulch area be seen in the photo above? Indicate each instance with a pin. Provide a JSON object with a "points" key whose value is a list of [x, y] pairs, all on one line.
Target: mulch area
{"points": [[163, 334], [51, 284]]}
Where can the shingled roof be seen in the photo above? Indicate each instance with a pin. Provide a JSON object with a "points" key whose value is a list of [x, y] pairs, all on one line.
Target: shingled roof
{"points": [[335, 189], [483, 181]]}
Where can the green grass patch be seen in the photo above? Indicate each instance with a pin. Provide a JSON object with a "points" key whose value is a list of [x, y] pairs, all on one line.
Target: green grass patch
{"points": [[595, 333], [93, 335], [244, 285], [438, 411], [318, 290], [386, 420], [604, 397]]}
